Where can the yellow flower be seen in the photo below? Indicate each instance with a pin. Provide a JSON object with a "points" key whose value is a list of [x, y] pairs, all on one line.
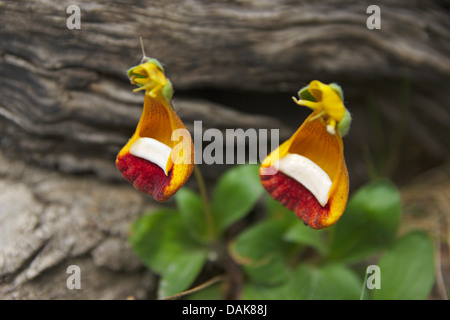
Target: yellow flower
{"points": [[158, 159], [307, 173]]}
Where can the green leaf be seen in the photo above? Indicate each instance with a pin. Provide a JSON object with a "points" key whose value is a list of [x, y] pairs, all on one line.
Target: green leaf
{"points": [[162, 241], [296, 231], [235, 195], [190, 206], [155, 238], [331, 282], [407, 269], [369, 223], [271, 272], [213, 292], [301, 234], [181, 272], [260, 251], [255, 291]]}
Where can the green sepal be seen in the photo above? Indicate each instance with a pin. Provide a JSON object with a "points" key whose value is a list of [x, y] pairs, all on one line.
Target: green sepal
{"points": [[130, 72], [304, 94], [167, 91], [344, 125]]}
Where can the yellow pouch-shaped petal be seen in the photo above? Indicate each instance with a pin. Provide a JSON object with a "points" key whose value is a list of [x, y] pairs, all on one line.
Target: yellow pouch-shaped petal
{"points": [[158, 159], [307, 173]]}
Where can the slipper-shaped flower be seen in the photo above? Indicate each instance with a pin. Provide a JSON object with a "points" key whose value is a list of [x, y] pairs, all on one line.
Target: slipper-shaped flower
{"points": [[307, 173], [159, 158]]}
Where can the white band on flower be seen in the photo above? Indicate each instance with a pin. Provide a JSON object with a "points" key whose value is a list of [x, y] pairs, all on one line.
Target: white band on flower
{"points": [[152, 150], [309, 174]]}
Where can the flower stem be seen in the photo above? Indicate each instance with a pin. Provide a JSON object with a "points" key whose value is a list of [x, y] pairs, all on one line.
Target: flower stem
{"points": [[204, 195], [363, 289]]}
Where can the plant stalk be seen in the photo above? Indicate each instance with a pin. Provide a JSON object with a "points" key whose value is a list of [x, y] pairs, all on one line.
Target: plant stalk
{"points": [[363, 289], [198, 288], [204, 195]]}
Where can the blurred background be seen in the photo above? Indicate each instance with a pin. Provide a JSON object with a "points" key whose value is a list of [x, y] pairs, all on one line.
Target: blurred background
{"points": [[67, 108]]}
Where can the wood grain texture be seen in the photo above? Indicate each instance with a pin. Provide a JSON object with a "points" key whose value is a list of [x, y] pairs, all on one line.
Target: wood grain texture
{"points": [[66, 92]]}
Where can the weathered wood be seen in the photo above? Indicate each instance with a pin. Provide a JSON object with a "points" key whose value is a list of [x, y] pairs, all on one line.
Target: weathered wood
{"points": [[65, 90], [66, 104]]}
